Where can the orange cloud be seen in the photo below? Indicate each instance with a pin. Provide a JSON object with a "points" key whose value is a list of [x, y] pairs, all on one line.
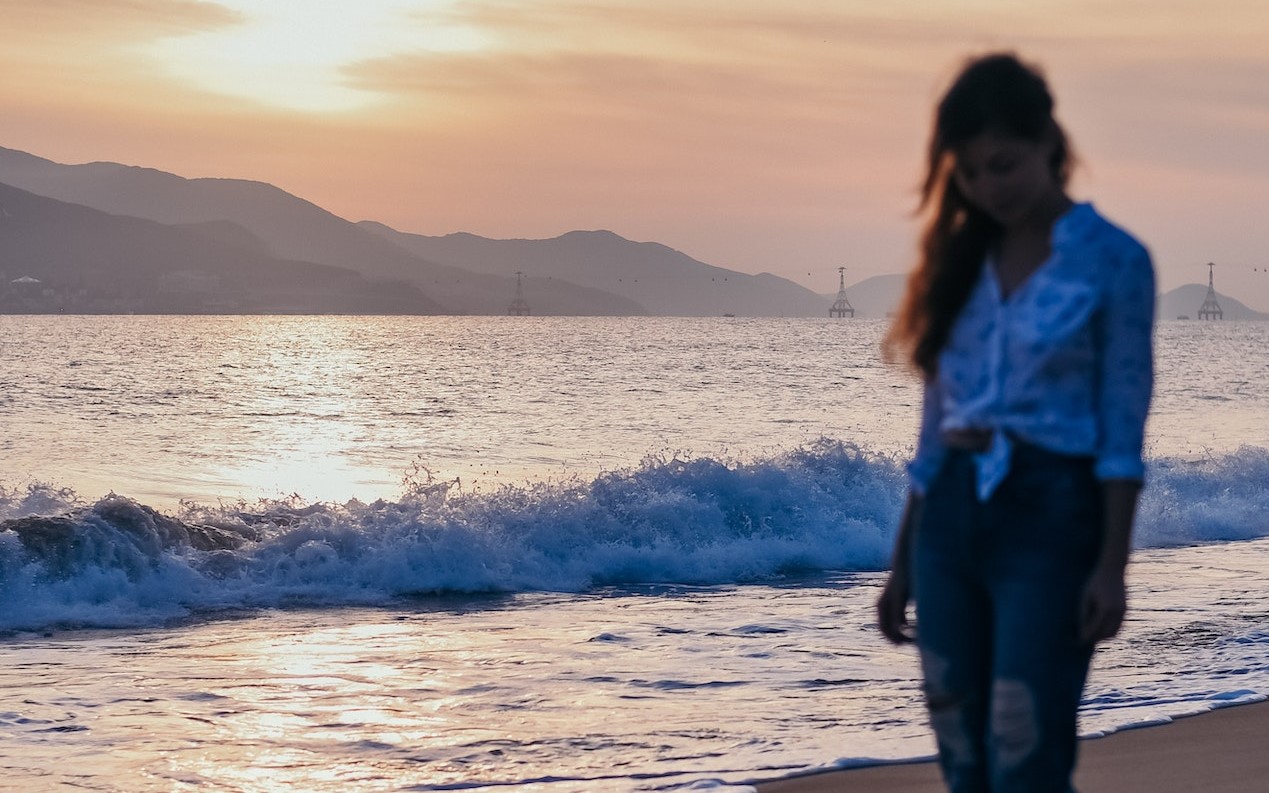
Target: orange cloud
{"points": [[107, 23], [83, 53]]}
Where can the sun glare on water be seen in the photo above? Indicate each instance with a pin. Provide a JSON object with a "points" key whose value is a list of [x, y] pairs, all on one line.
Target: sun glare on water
{"points": [[292, 53]]}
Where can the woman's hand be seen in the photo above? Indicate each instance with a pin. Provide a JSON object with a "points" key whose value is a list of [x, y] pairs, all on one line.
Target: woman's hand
{"points": [[1105, 598], [892, 608], [1104, 604]]}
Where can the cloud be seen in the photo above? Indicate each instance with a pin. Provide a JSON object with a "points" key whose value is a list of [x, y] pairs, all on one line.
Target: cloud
{"points": [[110, 20], [671, 71], [820, 46], [85, 58], [60, 47]]}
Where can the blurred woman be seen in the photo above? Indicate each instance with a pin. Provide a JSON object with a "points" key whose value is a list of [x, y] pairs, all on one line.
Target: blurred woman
{"points": [[1029, 317]]}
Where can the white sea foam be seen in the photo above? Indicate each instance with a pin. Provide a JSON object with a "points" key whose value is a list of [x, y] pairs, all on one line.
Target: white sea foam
{"points": [[828, 506], [1218, 498]]}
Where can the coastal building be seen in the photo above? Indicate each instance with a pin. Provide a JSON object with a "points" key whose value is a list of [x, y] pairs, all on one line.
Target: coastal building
{"points": [[28, 288]]}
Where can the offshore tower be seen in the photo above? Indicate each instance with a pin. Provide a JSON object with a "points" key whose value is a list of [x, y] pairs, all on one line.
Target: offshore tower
{"points": [[1210, 308], [841, 306], [519, 307]]}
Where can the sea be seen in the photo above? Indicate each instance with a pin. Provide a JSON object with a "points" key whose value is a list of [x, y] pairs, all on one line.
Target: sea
{"points": [[547, 554]]}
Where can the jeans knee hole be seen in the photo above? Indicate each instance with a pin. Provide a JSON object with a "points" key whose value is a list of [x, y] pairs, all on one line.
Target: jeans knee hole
{"points": [[950, 712], [1014, 727]]}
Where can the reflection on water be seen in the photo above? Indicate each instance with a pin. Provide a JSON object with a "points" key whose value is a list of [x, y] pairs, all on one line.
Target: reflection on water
{"points": [[205, 408], [591, 691], [620, 690], [162, 408]]}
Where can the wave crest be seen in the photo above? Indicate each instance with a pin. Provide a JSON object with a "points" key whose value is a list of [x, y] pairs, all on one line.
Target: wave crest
{"points": [[825, 506]]}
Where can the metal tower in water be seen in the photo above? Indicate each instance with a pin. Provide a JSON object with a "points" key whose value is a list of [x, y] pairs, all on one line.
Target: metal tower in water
{"points": [[518, 307], [1210, 308], [841, 306]]}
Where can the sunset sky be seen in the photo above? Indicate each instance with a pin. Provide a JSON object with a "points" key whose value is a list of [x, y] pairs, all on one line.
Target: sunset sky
{"points": [[761, 136]]}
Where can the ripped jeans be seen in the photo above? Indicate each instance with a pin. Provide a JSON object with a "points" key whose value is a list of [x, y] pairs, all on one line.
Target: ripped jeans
{"points": [[997, 587]]}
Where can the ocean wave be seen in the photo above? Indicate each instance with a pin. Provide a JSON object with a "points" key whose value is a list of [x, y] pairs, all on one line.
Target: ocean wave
{"points": [[1216, 499], [825, 506]]}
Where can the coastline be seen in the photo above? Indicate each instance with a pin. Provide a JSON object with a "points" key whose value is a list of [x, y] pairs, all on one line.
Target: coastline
{"points": [[1219, 751]]}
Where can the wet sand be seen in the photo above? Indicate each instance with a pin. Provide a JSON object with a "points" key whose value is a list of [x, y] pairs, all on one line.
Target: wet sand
{"points": [[1224, 751]]}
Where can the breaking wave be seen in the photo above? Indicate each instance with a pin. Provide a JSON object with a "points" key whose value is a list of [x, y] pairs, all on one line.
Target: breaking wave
{"points": [[827, 506]]}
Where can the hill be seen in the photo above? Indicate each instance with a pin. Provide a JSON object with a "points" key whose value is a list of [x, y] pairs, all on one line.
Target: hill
{"points": [[665, 281], [577, 273], [247, 213], [58, 256], [1184, 301]]}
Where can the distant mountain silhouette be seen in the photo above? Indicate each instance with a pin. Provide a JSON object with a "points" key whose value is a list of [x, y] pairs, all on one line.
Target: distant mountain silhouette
{"points": [[231, 234], [246, 214], [659, 278], [291, 227], [220, 243], [61, 256], [1184, 301], [578, 273]]}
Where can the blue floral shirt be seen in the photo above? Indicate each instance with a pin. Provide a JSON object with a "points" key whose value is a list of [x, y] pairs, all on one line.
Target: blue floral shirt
{"points": [[1064, 362]]}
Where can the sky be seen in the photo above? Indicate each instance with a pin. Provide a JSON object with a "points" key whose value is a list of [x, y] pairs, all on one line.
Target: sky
{"points": [[761, 136]]}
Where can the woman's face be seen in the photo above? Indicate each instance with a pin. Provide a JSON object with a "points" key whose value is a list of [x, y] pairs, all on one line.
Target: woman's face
{"points": [[1005, 176]]}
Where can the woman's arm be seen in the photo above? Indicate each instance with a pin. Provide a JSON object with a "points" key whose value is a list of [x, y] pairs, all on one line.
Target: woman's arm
{"points": [[1125, 378], [1105, 596], [892, 606]]}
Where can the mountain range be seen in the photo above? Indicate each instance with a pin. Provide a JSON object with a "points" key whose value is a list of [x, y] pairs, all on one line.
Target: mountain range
{"points": [[653, 275], [55, 254], [111, 237], [594, 272]]}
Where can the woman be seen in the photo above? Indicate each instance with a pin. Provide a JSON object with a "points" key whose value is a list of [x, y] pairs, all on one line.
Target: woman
{"points": [[1030, 318]]}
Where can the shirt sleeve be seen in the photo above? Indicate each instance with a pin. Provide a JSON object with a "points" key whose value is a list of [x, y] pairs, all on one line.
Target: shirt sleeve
{"points": [[930, 450], [1126, 368]]}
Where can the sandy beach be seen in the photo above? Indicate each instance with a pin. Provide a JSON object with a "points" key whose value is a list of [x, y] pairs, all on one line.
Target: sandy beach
{"points": [[1223, 751]]}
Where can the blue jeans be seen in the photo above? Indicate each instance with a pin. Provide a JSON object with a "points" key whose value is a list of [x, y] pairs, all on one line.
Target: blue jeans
{"points": [[997, 587]]}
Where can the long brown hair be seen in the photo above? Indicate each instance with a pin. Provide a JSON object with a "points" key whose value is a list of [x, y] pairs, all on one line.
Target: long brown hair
{"points": [[995, 92]]}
